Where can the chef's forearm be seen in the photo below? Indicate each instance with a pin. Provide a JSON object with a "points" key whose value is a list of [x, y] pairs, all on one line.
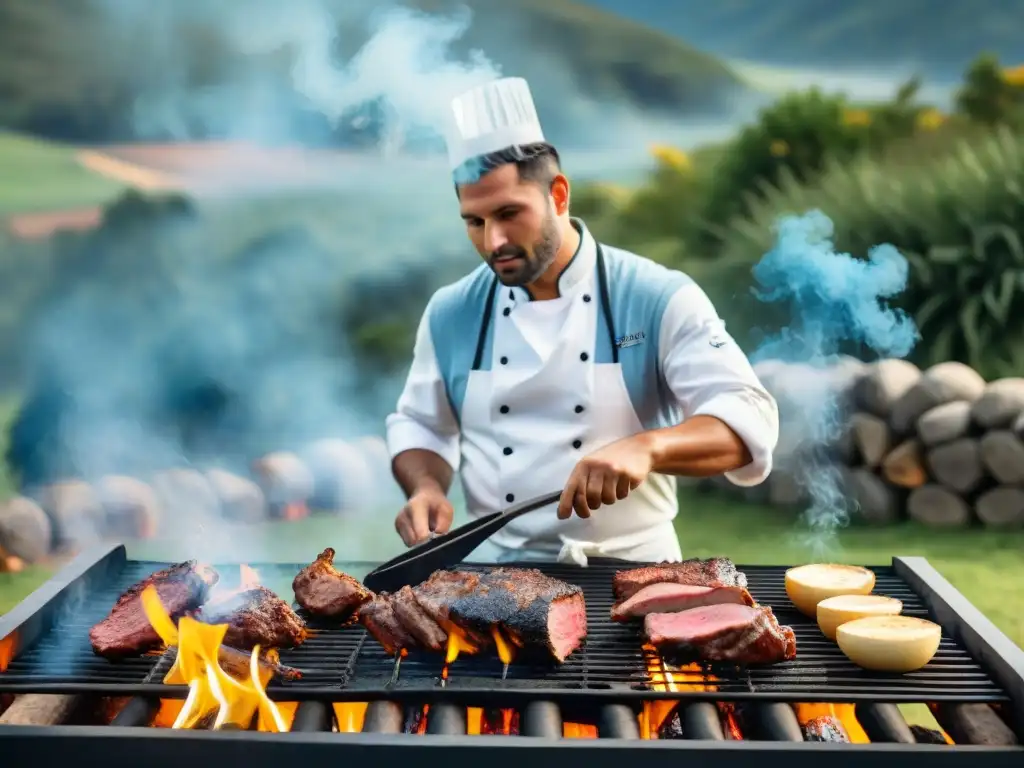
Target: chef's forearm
{"points": [[701, 446], [418, 470]]}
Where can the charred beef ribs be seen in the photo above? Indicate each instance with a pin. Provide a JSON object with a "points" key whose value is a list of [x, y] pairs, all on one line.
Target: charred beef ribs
{"points": [[126, 630], [378, 616], [416, 621], [325, 591], [666, 597], [741, 634], [714, 572], [255, 617], [825, 728]]}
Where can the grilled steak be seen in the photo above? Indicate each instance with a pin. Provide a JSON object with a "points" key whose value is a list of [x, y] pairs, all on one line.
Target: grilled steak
{"points": [[667, 598], [255, 617], [738, 633], [325, 591], [715, 572], [416, 621], [534, 608], [126, 631], [378, 616], [825, 728], [435, 596]]}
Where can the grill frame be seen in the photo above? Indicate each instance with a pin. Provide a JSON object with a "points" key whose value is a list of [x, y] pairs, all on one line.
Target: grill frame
{"points": [[115, 747], [93, 570]]}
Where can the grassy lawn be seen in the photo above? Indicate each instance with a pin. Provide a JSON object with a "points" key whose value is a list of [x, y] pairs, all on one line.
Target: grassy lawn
{"points": [[37, 175]]}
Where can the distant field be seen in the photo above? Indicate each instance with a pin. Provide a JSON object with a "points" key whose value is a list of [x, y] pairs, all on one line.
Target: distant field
{"points": [[38, 175]]}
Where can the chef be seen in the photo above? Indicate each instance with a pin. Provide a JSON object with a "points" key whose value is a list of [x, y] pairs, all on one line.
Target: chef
{"points": [[564, 363]]}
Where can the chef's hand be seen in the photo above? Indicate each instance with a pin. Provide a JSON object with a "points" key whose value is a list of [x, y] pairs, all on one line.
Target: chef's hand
{"points": [[426, 511], [605, 476]]}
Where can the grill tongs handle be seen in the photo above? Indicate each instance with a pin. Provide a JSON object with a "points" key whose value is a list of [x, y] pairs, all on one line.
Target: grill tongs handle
{"points": [[448, 549]]}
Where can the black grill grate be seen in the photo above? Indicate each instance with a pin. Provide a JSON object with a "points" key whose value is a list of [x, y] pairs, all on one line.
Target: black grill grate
{"points": [[344, 663]]}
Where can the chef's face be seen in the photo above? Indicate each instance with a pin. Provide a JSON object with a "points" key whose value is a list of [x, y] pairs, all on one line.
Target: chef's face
{"points": [[513, 224]]}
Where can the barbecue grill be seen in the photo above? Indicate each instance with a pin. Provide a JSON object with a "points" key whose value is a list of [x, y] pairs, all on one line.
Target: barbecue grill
{"points": [[355, 702]]}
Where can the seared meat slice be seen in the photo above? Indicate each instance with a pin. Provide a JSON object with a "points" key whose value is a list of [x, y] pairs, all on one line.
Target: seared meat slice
{"points": [[669, 598], [714, 572], [325, 591], [738, 633], [416, 621], [378, 616], [126, 631], [825, 728], [255, 617], [534, 608], [436, 595]]}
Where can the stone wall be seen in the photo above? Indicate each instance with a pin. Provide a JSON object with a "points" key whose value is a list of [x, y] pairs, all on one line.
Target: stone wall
{"points": [[940, 446], [328, 477]]}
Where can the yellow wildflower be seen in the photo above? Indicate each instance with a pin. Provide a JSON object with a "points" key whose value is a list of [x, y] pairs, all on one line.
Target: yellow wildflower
{"points": [[671, 157], [1014, 76], [779, 148], [930, 119]]}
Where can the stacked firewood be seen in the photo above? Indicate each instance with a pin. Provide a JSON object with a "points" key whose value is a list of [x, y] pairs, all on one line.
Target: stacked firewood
{"points": [[329, 476], [940, 446]]}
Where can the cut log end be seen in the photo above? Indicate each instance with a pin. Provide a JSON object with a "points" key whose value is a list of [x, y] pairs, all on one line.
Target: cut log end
{"points": [[904, 466], [1002, 453], [871, 438], [878, 502], [976, 724]]}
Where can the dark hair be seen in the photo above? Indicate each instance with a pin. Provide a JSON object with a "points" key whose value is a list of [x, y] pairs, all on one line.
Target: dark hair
{"points": [[538, 163]]}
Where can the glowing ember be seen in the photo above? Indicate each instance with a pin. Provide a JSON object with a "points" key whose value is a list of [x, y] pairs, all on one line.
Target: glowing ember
{"points": [[579, 731], [843, 713], [215, 699]]}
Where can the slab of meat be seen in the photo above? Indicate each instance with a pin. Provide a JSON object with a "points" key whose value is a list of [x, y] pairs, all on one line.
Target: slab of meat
{"points": [[416, 621], [533, 608], [255, 617], [325, 591], [667, 598], [825, 728], [436, 595], [378, 616], [741, 634], [714, 572], [127, 632]]}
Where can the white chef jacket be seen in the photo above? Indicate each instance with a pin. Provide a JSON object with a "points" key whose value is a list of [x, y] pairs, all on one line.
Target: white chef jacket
{"points": [[512, 393]]}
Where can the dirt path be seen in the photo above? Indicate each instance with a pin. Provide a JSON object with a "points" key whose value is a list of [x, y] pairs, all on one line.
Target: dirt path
{"points": [[127, 173]]}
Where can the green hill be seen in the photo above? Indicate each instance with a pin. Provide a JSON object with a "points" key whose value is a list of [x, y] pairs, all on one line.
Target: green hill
{"points": [[71, 71], [939, 36]]}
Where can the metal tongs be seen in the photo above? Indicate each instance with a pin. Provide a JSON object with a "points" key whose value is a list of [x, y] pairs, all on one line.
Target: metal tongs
{"points": [[448, 549]]}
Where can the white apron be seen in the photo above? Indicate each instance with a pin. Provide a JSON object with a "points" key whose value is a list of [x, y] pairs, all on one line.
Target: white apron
{"points": [[543, 405]]}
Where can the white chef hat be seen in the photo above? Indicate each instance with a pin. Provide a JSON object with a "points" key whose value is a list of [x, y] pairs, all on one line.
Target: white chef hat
{"points": [[491, 117]]}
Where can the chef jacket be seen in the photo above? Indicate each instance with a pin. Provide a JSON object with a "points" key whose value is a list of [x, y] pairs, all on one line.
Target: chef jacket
{"points": [[512, 393]]}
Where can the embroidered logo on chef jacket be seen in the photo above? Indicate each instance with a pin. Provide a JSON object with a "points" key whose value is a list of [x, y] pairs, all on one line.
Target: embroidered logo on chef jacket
{"points": [[630, 340], [718, 340]]}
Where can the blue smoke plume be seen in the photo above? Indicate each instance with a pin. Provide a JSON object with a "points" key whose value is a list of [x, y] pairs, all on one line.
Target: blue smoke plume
{"points": [[834, 299]]}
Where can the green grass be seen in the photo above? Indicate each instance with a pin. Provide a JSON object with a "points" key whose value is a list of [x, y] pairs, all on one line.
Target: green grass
{"points": [[38, 175]]}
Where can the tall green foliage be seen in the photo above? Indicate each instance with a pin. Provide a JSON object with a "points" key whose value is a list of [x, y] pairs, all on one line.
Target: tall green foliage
{"points": [[959, 221]]}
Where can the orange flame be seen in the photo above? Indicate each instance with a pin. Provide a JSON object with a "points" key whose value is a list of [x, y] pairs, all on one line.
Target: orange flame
{"points": [[213, 694], [350, 716], [687, 678], [8, 648]]}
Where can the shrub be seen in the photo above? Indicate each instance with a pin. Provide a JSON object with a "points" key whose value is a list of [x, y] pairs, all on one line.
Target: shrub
{"points": [[958, 220]]}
